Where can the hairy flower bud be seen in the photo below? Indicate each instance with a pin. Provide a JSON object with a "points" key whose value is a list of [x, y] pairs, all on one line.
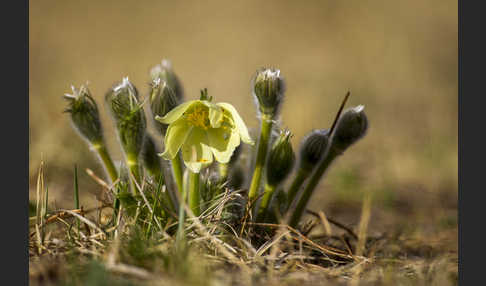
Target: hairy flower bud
{"points": [[312, 148], [351, 127], [280, 160], [129, 117], [165, 73], [268, 88], [162, 100], [84, 114], [150, 158]]}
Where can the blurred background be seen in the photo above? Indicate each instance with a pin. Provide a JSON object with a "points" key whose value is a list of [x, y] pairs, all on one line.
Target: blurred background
{"points": [[398, 58]]}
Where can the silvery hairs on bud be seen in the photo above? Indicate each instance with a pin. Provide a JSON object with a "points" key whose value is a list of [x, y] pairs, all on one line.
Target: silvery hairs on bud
{"points": [[128, 114], [352, 126], [165, 73], [280, 160], [313, 147], [268, 88], [162, 100], [84, 114]]}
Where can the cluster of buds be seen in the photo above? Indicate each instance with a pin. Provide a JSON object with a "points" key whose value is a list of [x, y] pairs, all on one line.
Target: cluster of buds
{"points": [[199, 132]]}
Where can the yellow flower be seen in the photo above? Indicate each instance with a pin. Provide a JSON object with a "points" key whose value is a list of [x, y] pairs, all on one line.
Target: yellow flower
{"points": [[203, 129]]}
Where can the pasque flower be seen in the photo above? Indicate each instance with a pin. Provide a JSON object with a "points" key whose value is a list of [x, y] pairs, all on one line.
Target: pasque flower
{"points": [[203, 129]]}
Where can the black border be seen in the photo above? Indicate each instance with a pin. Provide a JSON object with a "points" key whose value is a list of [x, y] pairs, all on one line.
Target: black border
{"points": [[15, 138], [472, 103]]}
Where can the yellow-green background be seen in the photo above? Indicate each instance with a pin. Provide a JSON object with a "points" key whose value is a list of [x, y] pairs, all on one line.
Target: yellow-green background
{"points": [[398, 58]]}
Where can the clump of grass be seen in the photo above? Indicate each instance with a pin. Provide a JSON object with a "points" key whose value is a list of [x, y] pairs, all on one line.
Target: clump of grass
{"points": [[199, 217]]}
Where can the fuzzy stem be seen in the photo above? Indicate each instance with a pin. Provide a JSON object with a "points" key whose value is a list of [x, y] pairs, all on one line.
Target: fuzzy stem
{"points": [[177, 170], [194, 193], [107, 162], [302, 174], [266, 128], [134, 167], [268, 194], [309, 189]]}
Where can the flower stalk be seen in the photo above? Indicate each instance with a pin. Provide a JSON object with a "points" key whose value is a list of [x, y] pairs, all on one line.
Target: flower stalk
{"points": [[266, 128], [194, 197], [268, 89]]}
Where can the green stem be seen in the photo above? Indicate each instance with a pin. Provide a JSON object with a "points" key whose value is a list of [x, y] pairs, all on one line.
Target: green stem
{"points": [[107, 162], [268, 194], [314, 180], [194, 193], [266, 128], [302, 174], [177, 170]]}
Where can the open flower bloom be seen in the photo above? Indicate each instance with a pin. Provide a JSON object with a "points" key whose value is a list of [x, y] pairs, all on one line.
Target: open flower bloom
{"points": [[203, 129]]}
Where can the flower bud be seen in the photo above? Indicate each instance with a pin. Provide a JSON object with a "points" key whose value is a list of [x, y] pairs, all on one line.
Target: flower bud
{"points": [[150, 158], [164, 72], [129, 117], [84, 114], [268, 88], [280, 160], [162, 100], [351, 127], [312, 148]]}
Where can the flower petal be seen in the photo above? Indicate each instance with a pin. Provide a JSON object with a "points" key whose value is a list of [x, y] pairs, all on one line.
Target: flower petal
{"points": [[175, 113], [215, 116], [240, 124], [176, 135], [195, 152], [223, 142]]}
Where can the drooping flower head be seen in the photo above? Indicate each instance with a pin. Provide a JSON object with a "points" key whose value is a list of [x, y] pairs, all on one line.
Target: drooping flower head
{"points": [[202, 129]]}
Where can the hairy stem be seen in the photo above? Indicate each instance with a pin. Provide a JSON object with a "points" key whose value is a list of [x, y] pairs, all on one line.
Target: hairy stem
{"points": [[266, 128], [302, 174], [309, 189], [267, 197], [107, 162]]}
